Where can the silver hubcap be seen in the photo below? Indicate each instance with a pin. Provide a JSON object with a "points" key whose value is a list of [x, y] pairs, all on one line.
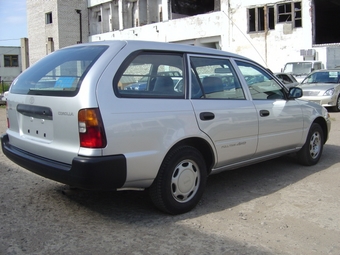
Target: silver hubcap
{"points": [[185, 181], [315, 145]]}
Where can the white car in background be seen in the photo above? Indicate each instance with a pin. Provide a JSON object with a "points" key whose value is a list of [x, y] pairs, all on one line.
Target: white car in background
{"points": [[287, 79], [3, 98]]}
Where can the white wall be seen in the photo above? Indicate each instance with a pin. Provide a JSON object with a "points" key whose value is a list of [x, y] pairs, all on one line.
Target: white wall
{"points": [[225, 29], [228, 28], [64, 28], [277, 46]]}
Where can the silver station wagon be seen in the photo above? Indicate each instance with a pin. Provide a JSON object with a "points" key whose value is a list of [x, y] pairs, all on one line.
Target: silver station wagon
{"points": [[197, 112]]}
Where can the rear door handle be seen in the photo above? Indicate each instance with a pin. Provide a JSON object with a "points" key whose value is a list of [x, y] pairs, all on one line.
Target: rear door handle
{"points": [[207, 116], [264, 113]]}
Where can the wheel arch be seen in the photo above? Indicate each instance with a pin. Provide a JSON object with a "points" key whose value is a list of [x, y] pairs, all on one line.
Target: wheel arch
{"points": [[322, 122], [202, 146]]}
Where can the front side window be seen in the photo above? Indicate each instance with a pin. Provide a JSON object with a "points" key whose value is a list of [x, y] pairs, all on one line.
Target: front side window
{"points": [[11, 61], [58, 74], [261, 85], [151, 74], [214, 78]]}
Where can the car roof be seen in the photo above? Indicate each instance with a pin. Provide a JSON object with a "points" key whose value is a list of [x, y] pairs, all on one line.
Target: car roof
{"points": [[168, 46]]}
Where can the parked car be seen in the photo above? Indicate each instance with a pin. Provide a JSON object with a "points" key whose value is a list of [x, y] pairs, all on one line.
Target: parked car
{"points": [[3, 98], [300, 69], [323, 87], [87, 131], [142, 83], [287, 79]]}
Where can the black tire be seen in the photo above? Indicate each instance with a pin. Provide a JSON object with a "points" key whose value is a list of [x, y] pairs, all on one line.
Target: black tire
{"points": [[180, 182], [336, 108], [311, 151]]}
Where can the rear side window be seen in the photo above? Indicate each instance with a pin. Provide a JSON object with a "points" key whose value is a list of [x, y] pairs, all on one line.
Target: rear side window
{"points": [[151, 74], [214, 78], [58, 74]]}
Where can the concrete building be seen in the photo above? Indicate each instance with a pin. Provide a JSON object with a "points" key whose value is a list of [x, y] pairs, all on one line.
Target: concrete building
{"points": [[10, 63], [55, 24], [270, 32]]}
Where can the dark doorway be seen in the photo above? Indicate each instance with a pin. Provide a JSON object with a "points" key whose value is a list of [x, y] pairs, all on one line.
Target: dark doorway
{"points": [[192, 7], [325, 21]]}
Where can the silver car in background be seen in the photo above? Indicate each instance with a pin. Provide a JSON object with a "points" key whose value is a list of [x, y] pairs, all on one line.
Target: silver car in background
{"points": [[71, 119], [323, 87], [287, 79]]}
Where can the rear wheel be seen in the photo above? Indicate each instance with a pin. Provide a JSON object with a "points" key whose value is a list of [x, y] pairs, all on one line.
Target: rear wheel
{"points": [[311, 151], [180, 182]]}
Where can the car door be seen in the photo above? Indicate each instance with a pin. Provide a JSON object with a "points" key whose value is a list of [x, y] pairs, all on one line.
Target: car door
{"points": [[280, 119], [221, 109]]}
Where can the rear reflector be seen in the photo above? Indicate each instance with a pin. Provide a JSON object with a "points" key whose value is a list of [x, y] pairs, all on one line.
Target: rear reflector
{"points": [[91, 130], [8, 123]]}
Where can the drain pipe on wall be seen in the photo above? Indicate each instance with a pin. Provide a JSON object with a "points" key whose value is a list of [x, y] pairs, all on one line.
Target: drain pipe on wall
{"points": [[80, 27], [265, 34]]}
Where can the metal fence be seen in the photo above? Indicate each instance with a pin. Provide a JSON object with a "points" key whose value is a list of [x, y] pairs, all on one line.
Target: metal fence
{"points": [[4, 85]]}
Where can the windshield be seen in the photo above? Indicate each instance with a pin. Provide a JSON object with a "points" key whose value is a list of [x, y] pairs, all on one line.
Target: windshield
{"points": [[322, 77], [298, 68], [58, 74]]}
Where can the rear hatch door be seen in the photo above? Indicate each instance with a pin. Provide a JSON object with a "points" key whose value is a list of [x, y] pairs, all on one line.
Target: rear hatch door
{"points": [[44, 101]]}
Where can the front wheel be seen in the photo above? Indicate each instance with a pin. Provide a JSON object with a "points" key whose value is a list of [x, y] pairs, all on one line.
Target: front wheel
{"points": [[180, 182], [336, 108], [311, 151]]}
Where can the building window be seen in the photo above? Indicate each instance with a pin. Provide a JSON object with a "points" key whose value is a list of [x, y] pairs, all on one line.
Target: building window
{"points": [[298, 15], [284, 12], [11, 60], [99, 16], [271, 17], [48, 18], [259, 16], [290, 12], [264, 16]]}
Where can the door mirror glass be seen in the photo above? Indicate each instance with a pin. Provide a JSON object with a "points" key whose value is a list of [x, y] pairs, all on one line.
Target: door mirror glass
{"points": [[295, 92]]}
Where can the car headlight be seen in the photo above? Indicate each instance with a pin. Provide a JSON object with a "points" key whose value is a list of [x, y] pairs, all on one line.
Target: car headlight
{"points": [[329, 92]]}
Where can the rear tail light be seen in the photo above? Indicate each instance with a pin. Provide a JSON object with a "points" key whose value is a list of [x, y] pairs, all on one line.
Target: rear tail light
{"points": [[91, 129]]}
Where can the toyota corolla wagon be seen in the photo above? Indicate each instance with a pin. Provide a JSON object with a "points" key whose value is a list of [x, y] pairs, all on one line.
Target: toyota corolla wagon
{"points": [[71, 119]]}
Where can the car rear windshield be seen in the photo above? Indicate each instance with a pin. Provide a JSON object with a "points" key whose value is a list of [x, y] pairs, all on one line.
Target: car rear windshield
{"points": [[58, 74]]}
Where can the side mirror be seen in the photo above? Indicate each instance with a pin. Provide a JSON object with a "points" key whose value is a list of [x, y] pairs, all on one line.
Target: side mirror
{"points": [[295, 92]]}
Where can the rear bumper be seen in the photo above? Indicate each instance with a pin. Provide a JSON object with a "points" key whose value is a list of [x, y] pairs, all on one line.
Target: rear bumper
{"points": [[94, 173]]}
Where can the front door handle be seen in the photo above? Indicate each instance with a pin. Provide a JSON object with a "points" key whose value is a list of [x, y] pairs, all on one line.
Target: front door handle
{"points": [[264, 113], [207, 116]]}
